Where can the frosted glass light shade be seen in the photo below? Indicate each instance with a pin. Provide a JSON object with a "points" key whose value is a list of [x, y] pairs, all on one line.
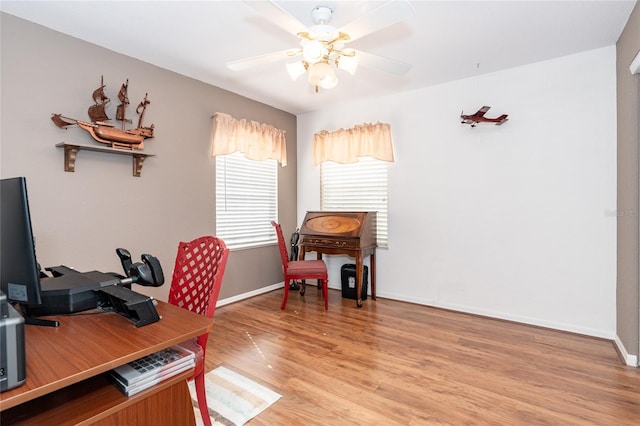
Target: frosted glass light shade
{"points": [[313, 51], [318, 72], [348, 64], [329, 81], [322, 75], [296, 69]]}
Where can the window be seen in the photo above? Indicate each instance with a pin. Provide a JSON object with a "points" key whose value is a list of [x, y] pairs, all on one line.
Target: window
{"points": [[246, 200], [360, 186]]}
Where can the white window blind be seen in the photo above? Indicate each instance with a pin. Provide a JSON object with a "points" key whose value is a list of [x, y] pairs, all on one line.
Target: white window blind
{"points": [[360, 186], [246, 200]]}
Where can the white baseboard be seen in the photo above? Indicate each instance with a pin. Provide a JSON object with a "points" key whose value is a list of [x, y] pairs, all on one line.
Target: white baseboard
{"points": [[249, 294], [572, 328], [630, 360]]}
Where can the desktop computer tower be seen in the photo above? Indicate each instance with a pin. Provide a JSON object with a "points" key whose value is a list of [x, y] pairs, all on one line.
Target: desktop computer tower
{"points": [[13, 369]]}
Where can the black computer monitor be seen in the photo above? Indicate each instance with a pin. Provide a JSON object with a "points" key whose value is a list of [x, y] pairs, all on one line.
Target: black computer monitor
{"points": [[19, 271]]}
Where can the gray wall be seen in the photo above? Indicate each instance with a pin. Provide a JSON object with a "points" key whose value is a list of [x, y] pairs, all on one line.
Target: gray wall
{"points": [[80, 218], [628, 296]]}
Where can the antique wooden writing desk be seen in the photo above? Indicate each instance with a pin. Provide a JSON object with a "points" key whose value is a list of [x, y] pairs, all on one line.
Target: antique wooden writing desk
{"points": [[67, 371], [350, 233]]}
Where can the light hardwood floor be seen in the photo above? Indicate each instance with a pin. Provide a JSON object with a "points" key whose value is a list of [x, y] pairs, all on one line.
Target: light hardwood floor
{"points": [[395, 363]]}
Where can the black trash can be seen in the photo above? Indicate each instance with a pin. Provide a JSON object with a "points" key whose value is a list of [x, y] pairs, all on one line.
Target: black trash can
{"points": [[348, 274]]}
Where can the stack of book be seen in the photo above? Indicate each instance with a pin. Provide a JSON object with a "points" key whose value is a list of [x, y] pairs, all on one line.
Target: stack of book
{"points": [[147, 371]]}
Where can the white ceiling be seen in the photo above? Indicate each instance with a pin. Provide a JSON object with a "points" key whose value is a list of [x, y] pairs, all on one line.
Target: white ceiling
{"points": [[443, 40]]}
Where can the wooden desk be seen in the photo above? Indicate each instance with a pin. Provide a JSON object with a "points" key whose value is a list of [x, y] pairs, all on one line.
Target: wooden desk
{"points": [[350, 233], [67, 371]]}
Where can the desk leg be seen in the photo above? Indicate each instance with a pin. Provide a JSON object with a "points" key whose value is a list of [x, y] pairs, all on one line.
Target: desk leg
{"points": [[303, 283], [373, 275], [319, 257], [359, 276]]}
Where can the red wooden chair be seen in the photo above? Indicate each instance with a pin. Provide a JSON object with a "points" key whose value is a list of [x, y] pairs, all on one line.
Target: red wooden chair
{"points": [[195, 286], [301, 270]]}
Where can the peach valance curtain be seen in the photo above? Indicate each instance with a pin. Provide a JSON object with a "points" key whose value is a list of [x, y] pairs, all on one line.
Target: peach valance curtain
{"points": [[346, 145], [257, 141]]}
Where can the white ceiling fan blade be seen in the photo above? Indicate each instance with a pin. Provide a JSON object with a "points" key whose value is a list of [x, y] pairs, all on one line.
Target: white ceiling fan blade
{"points": [[381, 63], [377, 19], [278, 16], [243, 64]]}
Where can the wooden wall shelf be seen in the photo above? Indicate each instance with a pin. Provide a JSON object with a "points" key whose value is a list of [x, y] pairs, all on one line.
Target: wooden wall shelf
{"points": [[71, 151]]}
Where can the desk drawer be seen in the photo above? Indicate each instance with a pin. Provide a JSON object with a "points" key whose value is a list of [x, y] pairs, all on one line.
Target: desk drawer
{"points": [[330, 242]]}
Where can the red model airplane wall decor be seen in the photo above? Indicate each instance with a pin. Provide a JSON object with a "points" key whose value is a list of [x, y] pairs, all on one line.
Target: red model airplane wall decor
{"points": [[479, 117]]}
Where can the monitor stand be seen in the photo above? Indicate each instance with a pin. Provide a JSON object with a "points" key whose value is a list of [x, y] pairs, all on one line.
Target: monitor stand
{"points": [[41, 322], [4, 313]]}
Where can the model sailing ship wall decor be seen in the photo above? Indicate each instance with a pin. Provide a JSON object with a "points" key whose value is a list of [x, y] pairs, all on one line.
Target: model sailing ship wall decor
{"points": [[108, 133]]}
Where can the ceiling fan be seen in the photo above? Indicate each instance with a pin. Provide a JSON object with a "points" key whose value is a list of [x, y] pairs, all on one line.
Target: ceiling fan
{"points": [[323, 47]]}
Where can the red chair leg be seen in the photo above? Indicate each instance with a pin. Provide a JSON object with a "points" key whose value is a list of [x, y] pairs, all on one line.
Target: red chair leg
{"points": [[202, 398], [286, 294]]}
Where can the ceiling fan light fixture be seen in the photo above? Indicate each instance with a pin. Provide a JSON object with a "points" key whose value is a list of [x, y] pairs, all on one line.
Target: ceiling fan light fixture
{"points": [[296, 69], [314, 51], [322, 47]]}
